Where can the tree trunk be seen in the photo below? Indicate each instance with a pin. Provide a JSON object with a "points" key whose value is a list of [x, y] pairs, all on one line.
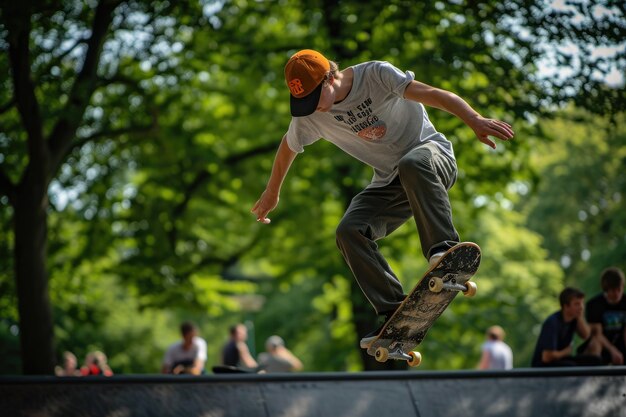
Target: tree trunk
{"points": [[36, 328], [45, 158]]}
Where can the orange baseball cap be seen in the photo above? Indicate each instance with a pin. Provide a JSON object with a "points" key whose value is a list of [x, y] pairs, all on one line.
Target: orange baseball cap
{"points": [[304, 74]]}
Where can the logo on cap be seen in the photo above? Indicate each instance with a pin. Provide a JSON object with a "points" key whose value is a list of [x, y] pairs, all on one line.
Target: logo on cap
{"points": [[296, 87], [304, 71]]}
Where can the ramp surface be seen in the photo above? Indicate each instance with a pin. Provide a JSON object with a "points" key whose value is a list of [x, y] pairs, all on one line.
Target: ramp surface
{"points": [[592, 392]]}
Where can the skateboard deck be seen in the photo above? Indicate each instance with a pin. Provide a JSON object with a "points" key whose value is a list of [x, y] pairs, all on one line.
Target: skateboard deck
{"points": [[427, 301]]}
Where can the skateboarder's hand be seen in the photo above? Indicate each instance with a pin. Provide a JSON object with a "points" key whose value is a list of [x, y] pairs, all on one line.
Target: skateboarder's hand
{"points": [[264, 205], [491, 127]]}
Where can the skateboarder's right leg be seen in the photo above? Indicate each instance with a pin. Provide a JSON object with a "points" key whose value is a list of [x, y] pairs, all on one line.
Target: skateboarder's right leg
{"points": [[426, 175], [372, 215]]}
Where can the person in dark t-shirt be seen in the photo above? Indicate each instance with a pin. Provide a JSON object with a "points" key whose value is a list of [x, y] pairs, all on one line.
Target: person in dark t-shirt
{"points": [[554, 346], [235, 352], [606, 314]]}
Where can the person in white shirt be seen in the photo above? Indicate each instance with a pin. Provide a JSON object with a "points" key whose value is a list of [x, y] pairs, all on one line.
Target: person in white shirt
{"points": [[496, 354], [187, 356]]}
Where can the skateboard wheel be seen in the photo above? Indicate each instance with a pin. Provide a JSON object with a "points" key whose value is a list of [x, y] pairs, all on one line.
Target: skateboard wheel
{"points": [[416, 358], [382, 354], [435, 284], [471, 289]]}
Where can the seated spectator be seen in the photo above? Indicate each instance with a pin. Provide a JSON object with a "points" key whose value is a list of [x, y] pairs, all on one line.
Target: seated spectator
{"points": [[277, 357], [235, 352], [70, 366], [187, 356], [96, 364], [606, 314], [554, 346], [495, 353]]}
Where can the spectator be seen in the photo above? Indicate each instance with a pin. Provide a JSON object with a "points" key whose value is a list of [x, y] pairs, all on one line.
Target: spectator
{"points": [[606, 314], [70, 366], [187, 356], [235, 352], [277, 357], [495, 353], [554, 346], [96, 364]]}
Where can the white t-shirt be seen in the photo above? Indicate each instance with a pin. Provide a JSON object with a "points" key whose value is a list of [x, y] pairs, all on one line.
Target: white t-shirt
{"points": [[374, 123], [500, 354], [176, 354]]}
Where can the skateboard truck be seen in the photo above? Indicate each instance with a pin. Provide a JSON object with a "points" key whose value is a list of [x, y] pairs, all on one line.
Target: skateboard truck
{"points": [[437, 284], [382, 354]]}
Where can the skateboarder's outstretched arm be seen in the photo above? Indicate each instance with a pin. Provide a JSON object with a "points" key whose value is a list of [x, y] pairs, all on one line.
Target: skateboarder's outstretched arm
{"points": [[269, 199], [450, 102]]}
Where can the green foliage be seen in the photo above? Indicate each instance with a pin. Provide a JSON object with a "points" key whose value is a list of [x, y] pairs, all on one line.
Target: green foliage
{"points": [[149, 219], [584, 43], [578, 197]]}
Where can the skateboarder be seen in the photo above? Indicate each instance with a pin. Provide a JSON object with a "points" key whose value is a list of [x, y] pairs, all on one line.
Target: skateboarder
{"points": [[375, 112]]}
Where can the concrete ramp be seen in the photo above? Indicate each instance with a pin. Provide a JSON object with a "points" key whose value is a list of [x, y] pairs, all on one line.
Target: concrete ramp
{"points": [[589, 392]]}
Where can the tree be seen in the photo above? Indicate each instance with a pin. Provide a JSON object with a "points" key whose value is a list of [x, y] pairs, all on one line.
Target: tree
{"points": [[576, 200], [45, 153], [582, 43], [56, 65]]}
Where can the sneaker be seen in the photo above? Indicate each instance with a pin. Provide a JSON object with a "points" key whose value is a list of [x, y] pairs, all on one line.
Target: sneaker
{"points": [[367, 340], [435, 258]]}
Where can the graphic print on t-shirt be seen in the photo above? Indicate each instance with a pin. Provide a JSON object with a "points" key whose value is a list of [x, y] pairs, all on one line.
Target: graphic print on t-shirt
{"points": [[363, 122], [613, 321]]}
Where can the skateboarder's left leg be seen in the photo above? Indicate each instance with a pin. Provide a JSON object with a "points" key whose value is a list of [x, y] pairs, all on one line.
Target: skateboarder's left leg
{"points": [[427, 174], [372, 215]]}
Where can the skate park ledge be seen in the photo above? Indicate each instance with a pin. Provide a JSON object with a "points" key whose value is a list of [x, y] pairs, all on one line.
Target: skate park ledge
{"points": [[591, 392]]}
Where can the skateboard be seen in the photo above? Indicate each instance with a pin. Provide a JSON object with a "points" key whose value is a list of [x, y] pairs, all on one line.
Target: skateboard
{"points": [[427, 301]]}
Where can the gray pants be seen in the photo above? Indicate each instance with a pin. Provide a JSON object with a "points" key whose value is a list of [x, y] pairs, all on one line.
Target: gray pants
{"points": [[420, 190]]}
